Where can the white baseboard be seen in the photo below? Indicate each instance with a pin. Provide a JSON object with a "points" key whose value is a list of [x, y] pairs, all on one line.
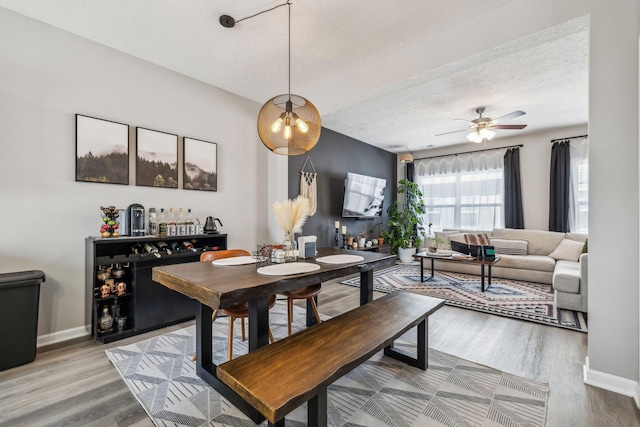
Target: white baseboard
{"points": [[612, 383], [67, 334]]}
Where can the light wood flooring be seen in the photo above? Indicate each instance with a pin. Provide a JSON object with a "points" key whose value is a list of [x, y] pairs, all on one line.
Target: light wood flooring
{"points": [[74, 384]]}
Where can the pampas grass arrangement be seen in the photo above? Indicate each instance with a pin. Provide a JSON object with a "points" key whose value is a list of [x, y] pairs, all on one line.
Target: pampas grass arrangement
{"points": [[292, 214]]}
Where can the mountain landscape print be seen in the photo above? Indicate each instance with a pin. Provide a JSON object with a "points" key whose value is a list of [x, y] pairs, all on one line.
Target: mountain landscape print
{"points": [[157, 158], [102, 151], [200, 165]]}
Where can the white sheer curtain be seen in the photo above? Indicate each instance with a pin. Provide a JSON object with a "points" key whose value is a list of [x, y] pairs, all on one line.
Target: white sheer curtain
{"points": [[579, 186], [463, 191]]}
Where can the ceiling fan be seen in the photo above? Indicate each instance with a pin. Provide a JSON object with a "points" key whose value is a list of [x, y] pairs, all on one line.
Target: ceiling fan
{"points": [[482, 126]]}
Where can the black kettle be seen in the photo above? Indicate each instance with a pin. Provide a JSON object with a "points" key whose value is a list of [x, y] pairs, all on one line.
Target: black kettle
{"points": [[210, 225]]}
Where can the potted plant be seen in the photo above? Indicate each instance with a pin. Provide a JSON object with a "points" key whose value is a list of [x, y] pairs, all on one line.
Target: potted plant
{"points": [[378, 232], [406, 221], [436, 243]]}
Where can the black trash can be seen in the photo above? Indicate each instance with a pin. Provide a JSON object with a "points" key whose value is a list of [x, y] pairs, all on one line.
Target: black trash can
{"points": [[19, 299]]}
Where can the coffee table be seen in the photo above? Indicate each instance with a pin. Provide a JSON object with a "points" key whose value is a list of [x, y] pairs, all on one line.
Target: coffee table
{"points": [[460, 259]]}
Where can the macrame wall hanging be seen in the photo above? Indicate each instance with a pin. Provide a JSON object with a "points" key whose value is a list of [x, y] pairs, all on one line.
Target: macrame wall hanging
{"points": [[308, 185]]}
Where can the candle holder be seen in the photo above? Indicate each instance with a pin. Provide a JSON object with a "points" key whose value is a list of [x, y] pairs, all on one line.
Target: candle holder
{"points": [[344, 241], [336, 240]]}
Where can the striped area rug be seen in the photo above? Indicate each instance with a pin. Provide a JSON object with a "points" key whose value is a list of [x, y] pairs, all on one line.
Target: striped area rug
{"points": [[380, 392], [534, 302]]}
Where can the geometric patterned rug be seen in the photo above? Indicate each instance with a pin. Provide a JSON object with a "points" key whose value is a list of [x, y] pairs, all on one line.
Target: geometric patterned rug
{"points": [[380, 392], [517, 299]]}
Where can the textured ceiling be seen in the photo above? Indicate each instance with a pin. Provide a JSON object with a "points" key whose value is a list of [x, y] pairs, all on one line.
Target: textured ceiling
{"points": [[392, 74]]}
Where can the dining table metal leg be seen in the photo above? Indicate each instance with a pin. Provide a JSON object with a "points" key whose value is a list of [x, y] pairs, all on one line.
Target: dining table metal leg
{"points": [[258, 323]]}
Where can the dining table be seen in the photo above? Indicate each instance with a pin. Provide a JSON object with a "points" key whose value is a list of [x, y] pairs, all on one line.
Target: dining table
{"points": [[217, 286]]}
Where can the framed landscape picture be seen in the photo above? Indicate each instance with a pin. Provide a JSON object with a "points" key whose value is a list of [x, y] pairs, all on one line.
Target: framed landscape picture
{"points": [[102, 151], [200, 170], [156, 158]]}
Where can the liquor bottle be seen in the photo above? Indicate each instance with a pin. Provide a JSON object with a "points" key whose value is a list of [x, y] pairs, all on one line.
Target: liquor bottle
{"points": [[105, 323], [191, 226], [172, 229], [181, 224], [162, 227], [153, 222], [164, 247]]}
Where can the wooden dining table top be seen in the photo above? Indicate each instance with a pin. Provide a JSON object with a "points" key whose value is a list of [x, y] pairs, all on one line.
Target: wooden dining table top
{"points": [[220, 286]]}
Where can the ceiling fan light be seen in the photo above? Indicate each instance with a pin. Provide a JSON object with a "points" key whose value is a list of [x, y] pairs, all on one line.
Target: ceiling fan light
{"points": [[475, 137], [486, 133]]}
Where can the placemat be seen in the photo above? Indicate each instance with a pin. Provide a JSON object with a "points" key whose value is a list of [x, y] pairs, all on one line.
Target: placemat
{"points": [[340, 259], [236, 260], [288, 268]]}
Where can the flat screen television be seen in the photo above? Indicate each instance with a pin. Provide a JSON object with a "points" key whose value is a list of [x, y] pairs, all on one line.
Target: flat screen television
{"points": [[363, 196]]}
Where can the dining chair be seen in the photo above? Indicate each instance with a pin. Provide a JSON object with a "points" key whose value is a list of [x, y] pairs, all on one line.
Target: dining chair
{"points": [[240, 311], [309, 293]]}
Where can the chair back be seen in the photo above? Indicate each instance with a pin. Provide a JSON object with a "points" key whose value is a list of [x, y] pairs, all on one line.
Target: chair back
{"points": [[227, 253]]}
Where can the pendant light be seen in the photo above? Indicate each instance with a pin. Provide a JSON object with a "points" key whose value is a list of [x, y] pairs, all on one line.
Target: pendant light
{"points": [[287, 124]]}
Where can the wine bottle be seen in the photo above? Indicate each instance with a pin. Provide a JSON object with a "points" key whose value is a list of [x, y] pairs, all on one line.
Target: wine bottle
{"points": [[187, 245], [136, 248], [164, 247], [175, 246], [172, 229]]}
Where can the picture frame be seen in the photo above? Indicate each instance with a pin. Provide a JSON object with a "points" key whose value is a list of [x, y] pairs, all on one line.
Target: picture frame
{"points": [[156, 158], [102, 151], [200, 165]]}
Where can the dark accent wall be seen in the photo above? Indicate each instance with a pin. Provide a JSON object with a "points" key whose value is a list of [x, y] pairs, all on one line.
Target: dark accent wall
{"points": [[334, 156]]}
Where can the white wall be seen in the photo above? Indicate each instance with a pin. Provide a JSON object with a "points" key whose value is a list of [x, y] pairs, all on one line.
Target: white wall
{"points": [[613, 191], [46, 77], [535, 161]]}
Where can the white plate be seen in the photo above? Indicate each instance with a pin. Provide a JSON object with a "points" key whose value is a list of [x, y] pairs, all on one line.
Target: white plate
{"points": [[288, 268], [236, 260], [340, 259]]}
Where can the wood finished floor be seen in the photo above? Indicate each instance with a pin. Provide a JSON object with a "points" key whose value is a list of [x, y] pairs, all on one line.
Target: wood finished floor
{"points": [[74, 384]]}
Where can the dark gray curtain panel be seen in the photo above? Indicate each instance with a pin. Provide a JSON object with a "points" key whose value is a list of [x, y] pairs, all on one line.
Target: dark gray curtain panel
{"points": [[513, 213], [559, 187], [410, 172]]}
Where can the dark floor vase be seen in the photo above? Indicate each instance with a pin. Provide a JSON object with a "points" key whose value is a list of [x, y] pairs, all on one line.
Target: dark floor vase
{"points": [[19, 299]]}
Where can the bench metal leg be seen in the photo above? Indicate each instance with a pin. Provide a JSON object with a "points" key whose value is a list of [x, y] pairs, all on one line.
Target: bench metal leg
{"points": [[206, 369], [317, 410], [421, 360]]}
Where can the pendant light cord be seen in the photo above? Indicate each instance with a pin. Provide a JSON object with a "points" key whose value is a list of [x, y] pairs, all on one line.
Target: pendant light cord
{"points": [[289, 4], [264, 11]]}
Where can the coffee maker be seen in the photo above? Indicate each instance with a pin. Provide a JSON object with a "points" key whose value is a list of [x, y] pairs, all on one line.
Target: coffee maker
{"points": [[135, 220]]}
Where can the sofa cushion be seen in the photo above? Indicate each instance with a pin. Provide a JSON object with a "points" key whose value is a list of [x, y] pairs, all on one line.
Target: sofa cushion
{"points": [[528, 262], [478, 239], [569, 250], [566, 277], [509, 246], [540, 242]]}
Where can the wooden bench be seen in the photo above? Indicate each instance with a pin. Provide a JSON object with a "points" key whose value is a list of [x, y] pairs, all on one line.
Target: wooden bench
{"points": [[277, 378]]}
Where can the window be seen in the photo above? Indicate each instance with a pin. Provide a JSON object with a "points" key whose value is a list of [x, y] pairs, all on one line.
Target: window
{"points": [[579, 187], [466, 192]]}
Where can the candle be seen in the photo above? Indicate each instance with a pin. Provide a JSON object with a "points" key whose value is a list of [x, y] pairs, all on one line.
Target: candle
{"points": [[344, 229], [337, 225]]}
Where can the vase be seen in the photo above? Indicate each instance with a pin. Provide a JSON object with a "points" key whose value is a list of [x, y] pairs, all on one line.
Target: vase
{"points": [[290, 248]]}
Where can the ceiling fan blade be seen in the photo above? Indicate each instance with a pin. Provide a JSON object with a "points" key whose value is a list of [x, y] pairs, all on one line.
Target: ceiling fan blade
{"points": [[508, 126], [455, 131], [465, 120], [511, 115]]}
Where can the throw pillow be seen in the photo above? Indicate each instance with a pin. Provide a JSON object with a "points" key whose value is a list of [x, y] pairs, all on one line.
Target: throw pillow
{"points": [[509, 246], [480, 239], [568, 250], [445, 235]]}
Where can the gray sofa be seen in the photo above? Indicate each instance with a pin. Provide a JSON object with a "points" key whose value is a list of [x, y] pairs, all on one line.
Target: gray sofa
{"points": [[532, 255]]}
